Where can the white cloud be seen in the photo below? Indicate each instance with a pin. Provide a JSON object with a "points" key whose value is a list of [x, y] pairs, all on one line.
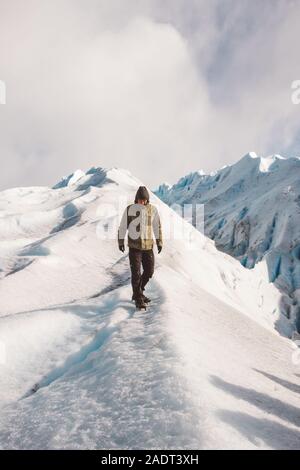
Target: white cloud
{"points": [[100, 84]]}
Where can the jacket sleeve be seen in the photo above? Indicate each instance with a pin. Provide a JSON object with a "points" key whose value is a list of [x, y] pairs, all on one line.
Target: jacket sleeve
{"points": [[123, 228], [157, 228]]}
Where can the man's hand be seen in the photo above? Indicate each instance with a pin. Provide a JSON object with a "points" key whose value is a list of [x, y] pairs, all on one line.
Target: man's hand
{"points": [[159, 248], [122, 248]]}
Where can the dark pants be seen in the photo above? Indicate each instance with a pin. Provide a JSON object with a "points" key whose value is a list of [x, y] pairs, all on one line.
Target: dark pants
{"points": [[138, 258]]}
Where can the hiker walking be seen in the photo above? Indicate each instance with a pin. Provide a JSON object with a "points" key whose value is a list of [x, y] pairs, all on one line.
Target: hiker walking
{"points": [[140, 219]]}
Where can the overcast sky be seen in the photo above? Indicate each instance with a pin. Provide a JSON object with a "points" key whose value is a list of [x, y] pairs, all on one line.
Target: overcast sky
{"points": [[160, 87]]}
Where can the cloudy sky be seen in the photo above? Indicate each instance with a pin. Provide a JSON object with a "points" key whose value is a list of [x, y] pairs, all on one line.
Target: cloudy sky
{"points": [[160, 87]]}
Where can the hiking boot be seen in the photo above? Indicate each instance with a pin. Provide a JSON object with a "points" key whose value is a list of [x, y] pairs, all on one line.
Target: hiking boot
{"points": [[145, 299], [140, 304]]}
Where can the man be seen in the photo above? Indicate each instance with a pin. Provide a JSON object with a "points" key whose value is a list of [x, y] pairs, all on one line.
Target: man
{"points": [[140, 220]]}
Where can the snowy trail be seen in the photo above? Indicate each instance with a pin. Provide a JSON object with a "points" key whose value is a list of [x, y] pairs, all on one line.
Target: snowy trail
{"points": [[119, 390], [161, 379]]}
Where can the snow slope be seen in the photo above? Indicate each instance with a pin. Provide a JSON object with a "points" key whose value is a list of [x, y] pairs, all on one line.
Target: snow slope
{"points": [[252, 212], [81, 368]]}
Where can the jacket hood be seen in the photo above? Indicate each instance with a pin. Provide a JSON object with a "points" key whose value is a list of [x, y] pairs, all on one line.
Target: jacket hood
{"points": [[142, 193]]}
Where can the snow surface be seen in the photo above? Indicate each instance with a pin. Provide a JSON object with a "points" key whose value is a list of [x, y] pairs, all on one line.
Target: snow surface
{"points": [[81, 368], [252, 212]]}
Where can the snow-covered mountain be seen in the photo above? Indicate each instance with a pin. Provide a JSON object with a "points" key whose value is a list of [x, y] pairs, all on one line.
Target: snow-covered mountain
{"points": [[252, 212], [204, 367]]}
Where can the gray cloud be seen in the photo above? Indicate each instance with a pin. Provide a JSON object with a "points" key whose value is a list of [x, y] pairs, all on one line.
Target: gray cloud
{"points": [[161, 88]]}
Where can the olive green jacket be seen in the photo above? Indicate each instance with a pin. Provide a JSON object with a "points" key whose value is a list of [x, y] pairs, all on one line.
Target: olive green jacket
{"points": [[140, 221]]}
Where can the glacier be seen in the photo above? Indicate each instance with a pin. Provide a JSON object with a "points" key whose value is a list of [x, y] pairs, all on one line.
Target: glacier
{"points": [[203, 368], [252, 212]]}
